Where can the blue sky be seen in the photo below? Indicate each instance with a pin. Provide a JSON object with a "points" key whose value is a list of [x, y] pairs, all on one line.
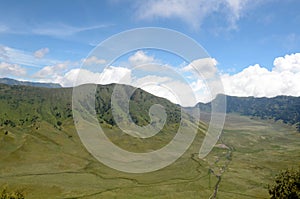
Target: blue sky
{"points": [[244, 37]]}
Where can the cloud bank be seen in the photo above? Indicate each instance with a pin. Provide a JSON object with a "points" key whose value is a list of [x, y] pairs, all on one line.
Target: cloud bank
{"points": [[283, 79], [8, 69], [255, 80]]}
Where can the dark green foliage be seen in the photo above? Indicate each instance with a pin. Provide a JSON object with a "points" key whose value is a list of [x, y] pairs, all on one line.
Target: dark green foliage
{"points": [[287, 185], [28, 106], [11, 195], [9, 123], [139, 105], [284, 108]]}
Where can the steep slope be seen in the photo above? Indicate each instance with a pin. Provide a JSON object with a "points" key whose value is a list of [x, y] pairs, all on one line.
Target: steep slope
{"points": [[23, 105]]}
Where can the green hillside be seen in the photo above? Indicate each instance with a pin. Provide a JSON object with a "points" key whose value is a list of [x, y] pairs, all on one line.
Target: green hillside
{"points": [[42, 155], [22, 105], [283, 108]]}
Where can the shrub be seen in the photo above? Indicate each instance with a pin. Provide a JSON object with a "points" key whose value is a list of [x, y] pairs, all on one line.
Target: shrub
{"points": [[4, 194], [59, 123], [287, 185]]}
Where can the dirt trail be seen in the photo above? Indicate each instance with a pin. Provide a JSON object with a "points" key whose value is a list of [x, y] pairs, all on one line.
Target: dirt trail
{"points": [[222, 170]]}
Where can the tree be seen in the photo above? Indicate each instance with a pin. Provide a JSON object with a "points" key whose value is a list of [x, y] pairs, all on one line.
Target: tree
{"points": [[287, 185]]}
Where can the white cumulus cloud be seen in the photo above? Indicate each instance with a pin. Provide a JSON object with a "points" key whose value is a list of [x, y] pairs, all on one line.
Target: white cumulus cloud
{"points": [[53, 70], [175, 90], [41, 52], [110, 74], [283, 79], [93, 60], [8, 69], [289, 63], [140, 58], [205, 67]]}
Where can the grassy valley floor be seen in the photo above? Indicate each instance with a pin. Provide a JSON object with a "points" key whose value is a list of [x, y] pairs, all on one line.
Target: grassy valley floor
{"points": [[52, 163]]}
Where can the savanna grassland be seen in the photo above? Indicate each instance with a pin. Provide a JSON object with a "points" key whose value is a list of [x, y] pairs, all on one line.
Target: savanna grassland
{"points": [[42, 155]]}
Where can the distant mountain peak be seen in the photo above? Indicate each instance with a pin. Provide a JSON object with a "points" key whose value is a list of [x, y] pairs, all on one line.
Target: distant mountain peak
{"points": [[10, 81]]}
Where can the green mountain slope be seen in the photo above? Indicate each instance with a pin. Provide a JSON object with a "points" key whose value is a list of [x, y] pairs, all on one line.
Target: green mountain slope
{"points": [[22, 105], [284, 108]]}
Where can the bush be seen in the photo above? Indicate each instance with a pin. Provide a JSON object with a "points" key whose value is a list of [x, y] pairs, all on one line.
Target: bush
{"points": [[4, 194], [59, 123], [287, 185]]}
